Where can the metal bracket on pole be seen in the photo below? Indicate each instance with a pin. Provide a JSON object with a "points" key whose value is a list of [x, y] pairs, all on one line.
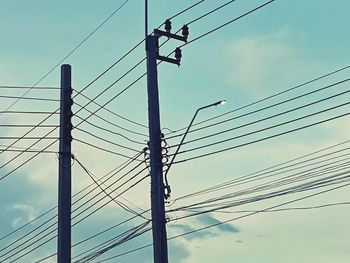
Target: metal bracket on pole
{"points": [[159, 33], [169, 60]]}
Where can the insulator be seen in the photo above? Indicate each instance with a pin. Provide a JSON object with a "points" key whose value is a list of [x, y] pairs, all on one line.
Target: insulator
{"points": [[178, 53], [185, 31], [167, 25], [167, 192]]}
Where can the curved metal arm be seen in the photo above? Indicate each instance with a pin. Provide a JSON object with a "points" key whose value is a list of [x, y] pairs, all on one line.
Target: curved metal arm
{"points": [[183, 139]]}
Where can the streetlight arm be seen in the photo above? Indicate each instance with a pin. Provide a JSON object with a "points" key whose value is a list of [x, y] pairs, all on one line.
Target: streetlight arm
{"points": [[182, 140]]}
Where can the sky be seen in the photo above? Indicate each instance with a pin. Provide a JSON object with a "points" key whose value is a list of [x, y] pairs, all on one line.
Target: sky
{"points": [[268, 170]]}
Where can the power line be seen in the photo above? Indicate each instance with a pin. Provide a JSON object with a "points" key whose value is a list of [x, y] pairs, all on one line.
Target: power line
{"points": [[227, 23], [54, 224], [270, 97], [292, 190], [105, 140], [328, 169], [171, 238], [124, 74], [108, 229], [127, 189], [122, 77], [27, 138], [28, 126], [184, 10], [137, 64], [112, 173], [273, 170], [19, 166], [69, 54], [22, 137], [112, 112], [289, 209], [211, 12], [264, 138], [104, 181], [270, 127], [28, 87], [114, 242], [123, 253], [254, 212], [33, 128], [28, 112], [105, 120], [272, 208], [33, 249], [28, 223], [102, 149], [264, 119], [29, 98], [27, 151], [17, 148], [262, 210], [47, 257], [124, 191], [119, 203], [114, 97], [112, 132], [274, 105], [29, 245]]}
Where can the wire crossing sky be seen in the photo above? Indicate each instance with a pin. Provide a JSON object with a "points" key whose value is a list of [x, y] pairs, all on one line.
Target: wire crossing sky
{"points": [[264, 178]]}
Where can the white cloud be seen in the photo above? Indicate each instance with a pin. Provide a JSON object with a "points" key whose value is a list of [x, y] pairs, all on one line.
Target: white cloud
{"points": [[259, 65], [27, 213]]}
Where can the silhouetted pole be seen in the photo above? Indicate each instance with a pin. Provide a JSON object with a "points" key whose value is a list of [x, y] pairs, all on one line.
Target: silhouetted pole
{"points": [[64, 169], [160, 250]]}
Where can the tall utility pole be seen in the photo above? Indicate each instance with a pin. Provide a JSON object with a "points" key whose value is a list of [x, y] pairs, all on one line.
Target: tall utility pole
{"points": [[64, 169], [160, 250]]}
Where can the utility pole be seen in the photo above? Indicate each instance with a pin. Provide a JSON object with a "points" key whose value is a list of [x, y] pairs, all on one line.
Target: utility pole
{"points": [[64, 168], [160, 250]]}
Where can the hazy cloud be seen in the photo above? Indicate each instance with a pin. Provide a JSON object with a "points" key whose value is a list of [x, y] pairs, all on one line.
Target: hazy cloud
{"points": [[207, 219], [261, 64], [201, 222]]}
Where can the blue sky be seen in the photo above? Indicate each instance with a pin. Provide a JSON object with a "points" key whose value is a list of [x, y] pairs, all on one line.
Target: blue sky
{"points": [[284, 44]]}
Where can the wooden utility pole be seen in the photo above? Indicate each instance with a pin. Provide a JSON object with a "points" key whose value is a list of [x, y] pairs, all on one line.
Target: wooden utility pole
{"points": [[160, 250], [64, 169]]}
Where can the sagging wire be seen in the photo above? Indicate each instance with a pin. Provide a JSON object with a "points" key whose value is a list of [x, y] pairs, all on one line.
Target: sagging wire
{"points": [[165, 167], [119, 203]]}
